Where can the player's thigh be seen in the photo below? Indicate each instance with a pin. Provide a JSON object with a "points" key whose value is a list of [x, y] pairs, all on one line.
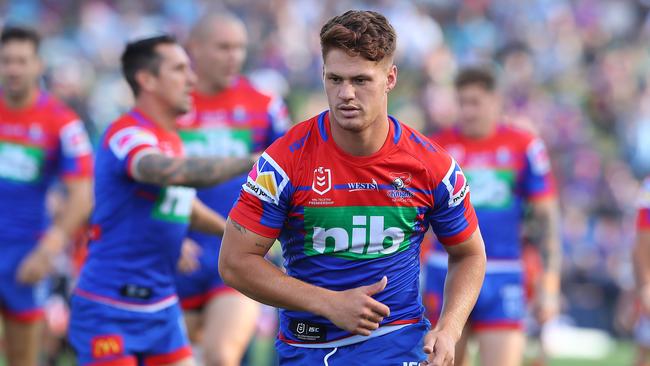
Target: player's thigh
{"points": [[501, 347], [462, 357], [22, 341], [185, 362], [230, 321], [193, 323]]}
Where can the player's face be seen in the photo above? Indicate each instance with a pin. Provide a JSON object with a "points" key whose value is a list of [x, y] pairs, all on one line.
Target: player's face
{"points": [[175, 79], [357, 89], [478, 107], [221, 53], [20, 68]]}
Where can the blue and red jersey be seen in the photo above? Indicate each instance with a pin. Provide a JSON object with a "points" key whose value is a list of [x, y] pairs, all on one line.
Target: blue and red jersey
{"points": [[505, 170], [643, 213], [346, 221], [138, 228], [235, 122], [38, 144]]}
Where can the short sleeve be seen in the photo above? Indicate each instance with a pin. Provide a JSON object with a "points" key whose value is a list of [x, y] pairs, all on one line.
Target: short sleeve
{"points": [[643, 207], [265, 198], [128, 143], [538, 179], [76, 159], [453, 219]]}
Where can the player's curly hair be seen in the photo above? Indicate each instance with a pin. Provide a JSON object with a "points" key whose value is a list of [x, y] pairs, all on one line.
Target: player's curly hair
{"points": [[359, 33]]}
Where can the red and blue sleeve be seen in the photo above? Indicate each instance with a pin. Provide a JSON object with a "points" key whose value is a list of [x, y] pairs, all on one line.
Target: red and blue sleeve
{"points": [[127, 143], [76, 159], [643, 212], [279, 121], [453, 219], [537, 181], [265, 198]]}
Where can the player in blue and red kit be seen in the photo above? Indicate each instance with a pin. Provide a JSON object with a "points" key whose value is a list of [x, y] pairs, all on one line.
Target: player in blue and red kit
{"points": [[230, 118], [350, 194], [508, 170], [124, 309], [41, 140]]}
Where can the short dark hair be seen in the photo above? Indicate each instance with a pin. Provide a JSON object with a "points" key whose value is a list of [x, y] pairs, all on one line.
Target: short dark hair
{"points": [[19, 33], [142, 55], [480, 76], [359, 33]]}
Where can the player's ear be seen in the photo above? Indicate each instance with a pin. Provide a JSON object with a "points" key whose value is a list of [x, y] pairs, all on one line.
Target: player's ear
{"points": [[146, 80], [391, 78]]}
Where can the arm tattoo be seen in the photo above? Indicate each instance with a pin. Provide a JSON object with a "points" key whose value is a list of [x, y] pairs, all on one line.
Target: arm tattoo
{"points": [[239, 228], [546, 230], [194, 172]]}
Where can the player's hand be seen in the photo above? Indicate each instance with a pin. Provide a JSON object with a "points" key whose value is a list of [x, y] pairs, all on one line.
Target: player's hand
{"points": [[35, 267], [440, 347], [356, 311], [189, 260], [546, 307]]}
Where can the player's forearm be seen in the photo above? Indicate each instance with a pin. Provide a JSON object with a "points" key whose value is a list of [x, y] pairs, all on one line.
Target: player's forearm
{"points": [[463, 283], [546, 214], [74, 214], [193, 172], [206, 220], [260, 280]]}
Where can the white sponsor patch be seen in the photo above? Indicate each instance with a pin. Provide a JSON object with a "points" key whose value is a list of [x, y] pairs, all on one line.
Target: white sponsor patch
{"points": [[127, 139], [74, 140], [266, 180]]}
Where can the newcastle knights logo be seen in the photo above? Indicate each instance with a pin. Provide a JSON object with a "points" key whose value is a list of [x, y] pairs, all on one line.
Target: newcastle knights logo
{"points": [[322, 182]]}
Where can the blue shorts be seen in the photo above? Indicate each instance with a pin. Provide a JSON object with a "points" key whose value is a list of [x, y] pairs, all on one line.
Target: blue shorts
{"points": [[19, 302], [197, 288], [104, 335], [500, 305], [401, 347]]}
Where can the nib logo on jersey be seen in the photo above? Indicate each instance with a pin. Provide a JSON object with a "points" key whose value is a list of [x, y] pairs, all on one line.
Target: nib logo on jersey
{"points": [[358, 232], [266, 180]]}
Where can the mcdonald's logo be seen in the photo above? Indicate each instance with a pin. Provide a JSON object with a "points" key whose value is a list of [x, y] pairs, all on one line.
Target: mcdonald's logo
{"points": [[107, 345]]}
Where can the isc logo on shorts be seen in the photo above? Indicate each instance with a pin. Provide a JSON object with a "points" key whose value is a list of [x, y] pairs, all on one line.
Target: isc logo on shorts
{"points": [[107, 346]]}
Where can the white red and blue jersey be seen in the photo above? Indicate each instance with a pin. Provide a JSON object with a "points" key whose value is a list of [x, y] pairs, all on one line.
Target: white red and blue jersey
{"points": [[643, 212], [235, 122], [346, 221], [137, 228], [505, 170], [38, 144]]}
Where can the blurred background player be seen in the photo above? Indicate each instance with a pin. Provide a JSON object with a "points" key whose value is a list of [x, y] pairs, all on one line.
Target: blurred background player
{"points": [[40, 140], [125, 310], [509, 172], [230, 118], [642, 271], [351, 193]]}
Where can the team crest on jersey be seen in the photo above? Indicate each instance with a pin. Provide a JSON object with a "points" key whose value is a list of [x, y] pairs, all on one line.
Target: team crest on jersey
{"points": [[74, 139], [322, 182], [266, 180], [400, 182], [127, 139], [456, 184]]}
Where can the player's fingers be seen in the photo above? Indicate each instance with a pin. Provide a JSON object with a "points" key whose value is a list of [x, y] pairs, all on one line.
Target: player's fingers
{"points": [[440, 356], [373, 317], [367, 324], [429, 343], [378, 308]]}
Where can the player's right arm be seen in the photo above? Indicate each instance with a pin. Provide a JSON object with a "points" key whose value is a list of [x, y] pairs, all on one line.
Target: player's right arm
{"points": [[641, 257], [154, 167], [242, 266]]}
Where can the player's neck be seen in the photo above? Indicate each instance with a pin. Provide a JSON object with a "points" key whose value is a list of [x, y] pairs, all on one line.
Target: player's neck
{"points": [[480, 131], [20, 101], [362, 143], [204, 87], [160, 115]]}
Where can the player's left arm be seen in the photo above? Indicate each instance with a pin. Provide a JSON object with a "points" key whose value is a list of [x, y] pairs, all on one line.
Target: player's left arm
{"points": [[545, 214], [466, 270], [206, 220], [76, 171]]}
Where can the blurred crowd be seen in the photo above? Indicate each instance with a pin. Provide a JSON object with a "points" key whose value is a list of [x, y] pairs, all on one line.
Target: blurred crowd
{"points": [[575, 71]]}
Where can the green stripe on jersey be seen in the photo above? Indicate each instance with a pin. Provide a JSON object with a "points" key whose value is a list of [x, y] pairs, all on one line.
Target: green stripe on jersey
{"points": [[491, 188], [21, 163], [358, 232], [217, 142]]}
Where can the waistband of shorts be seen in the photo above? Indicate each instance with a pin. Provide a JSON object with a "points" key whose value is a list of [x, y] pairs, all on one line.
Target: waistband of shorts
{"points": [[152, 307]]}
